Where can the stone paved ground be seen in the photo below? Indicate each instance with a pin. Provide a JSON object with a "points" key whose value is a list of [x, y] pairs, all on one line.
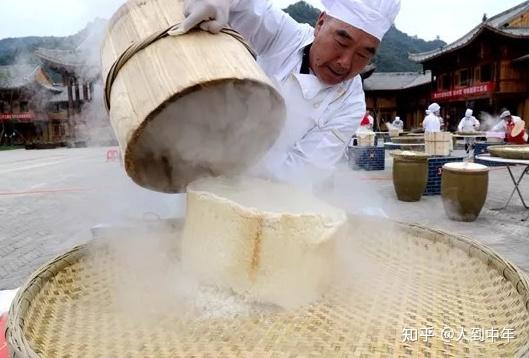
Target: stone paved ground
{"points": [[50, 199]]}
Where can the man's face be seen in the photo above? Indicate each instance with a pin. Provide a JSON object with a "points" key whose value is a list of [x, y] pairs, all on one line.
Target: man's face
{"points": [[340, 51]]}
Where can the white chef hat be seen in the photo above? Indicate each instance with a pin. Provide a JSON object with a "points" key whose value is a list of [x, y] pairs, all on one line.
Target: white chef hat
{"points": [[505, 114], [434, 107], [373, 16], [397, 118], [468, 112]]}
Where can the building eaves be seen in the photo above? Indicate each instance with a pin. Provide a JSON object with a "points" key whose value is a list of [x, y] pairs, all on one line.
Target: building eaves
{"points": [[17, 76], [496, 24], [391, 81], [66, 58], [523, 58]]}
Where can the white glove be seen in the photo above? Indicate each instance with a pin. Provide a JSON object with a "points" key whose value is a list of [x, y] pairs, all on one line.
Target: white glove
{"points": [[212, 15]]}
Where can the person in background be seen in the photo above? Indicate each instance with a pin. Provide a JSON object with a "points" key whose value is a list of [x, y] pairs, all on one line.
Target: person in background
{"points": [[398, 123], [368, 121], [441, 121], [507, 124], [431, 123], [468, 123], [316, 70]]}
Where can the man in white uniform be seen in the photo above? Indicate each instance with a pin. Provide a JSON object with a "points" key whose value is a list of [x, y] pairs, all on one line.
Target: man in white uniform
{"points": [[431, 122], [398, 123], [468, 123], [316, 70], [507, 124]]}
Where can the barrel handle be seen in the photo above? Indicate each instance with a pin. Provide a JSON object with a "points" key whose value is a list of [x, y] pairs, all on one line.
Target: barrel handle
{"points": [[135, 47]]}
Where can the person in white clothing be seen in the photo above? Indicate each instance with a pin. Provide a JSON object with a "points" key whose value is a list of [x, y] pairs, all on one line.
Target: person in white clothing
{"points": [[468, 123], [431, 122], [316, 69], [397, 123], [507, 124]]}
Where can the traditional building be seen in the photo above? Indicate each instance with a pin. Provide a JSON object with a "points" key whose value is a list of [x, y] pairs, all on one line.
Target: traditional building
{"points": [[58, 101], [403, 94], [77, 73], [486, 70], [24, 92]]}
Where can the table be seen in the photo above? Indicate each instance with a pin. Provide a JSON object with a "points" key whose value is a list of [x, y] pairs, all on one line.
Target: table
{"points": [[516, 181], [405, 146]]}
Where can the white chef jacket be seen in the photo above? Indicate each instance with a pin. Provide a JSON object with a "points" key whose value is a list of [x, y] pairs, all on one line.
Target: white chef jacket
{"points": [[398, 123], [320, 118], [431, 123], [468, 124]]}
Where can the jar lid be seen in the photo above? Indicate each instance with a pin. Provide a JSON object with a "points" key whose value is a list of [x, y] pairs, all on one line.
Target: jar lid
{"points": [[409, 154], [465, 167]]}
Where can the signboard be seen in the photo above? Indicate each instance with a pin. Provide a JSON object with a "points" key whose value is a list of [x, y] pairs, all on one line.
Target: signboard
{"points": [[465, 92], [21, 117]]}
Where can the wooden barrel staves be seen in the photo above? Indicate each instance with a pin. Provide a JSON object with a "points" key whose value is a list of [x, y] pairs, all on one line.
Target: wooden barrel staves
{"points": [[184, 106]]}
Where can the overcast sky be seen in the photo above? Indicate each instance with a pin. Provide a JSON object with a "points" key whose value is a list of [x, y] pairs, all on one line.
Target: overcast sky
{"points": [[449, 19]]}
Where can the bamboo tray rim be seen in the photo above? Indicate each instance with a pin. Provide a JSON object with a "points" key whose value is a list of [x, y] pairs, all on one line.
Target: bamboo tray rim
{"points": [[19, 346]]}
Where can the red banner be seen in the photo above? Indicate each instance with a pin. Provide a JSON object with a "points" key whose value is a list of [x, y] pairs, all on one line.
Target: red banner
{"points": [[21, 117], [472, 91]]}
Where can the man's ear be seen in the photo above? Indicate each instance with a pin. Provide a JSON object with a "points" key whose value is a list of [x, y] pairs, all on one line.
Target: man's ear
{"points": [[321, 20]]}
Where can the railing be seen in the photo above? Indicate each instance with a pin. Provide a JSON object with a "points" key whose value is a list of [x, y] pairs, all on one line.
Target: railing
{"points": [[58, 116]]}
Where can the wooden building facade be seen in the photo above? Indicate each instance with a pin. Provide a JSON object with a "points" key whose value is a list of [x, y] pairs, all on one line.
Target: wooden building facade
{"points": [[25, 91], [486, 70], [403, 94], [53, 103]]}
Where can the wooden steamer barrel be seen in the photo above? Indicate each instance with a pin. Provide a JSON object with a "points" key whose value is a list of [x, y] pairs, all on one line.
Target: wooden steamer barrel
{"points": [[464, 189], [410, 174], [184, 106]]}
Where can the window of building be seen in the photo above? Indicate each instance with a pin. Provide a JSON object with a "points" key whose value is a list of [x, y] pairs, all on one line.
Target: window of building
{"points": [[24, 107], [486, 73], [464, 77], [457, 81], [444, 81]]}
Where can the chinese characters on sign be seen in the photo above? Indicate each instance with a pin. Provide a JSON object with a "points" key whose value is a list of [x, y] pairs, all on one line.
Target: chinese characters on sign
{"points": [[27, 116], [449, 334], [465, 92]]}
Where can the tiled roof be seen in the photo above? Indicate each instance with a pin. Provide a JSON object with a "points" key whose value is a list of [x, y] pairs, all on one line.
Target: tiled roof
{"points": [[84, 60], [66, 58], [498, 24], [16, 76], [387, 81]]}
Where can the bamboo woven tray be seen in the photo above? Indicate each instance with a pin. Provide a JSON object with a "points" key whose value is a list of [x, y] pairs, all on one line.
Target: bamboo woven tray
{"points": [[510, 151], [400, 295]]}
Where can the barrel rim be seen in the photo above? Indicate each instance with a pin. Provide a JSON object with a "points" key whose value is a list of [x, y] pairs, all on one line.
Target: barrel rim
{"points": [[133, 140], [466, 168]]}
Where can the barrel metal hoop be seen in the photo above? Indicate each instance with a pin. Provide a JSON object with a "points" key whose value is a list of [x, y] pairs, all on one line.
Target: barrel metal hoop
{"points": [[137, 46]]}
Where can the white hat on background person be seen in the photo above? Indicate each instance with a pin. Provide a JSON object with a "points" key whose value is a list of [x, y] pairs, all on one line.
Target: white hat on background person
{"points": [[505, 114], [434, 107], [372, 16]]}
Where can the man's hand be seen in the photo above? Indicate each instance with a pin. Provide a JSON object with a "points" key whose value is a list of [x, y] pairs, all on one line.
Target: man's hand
{"points": [[210, 15]]}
